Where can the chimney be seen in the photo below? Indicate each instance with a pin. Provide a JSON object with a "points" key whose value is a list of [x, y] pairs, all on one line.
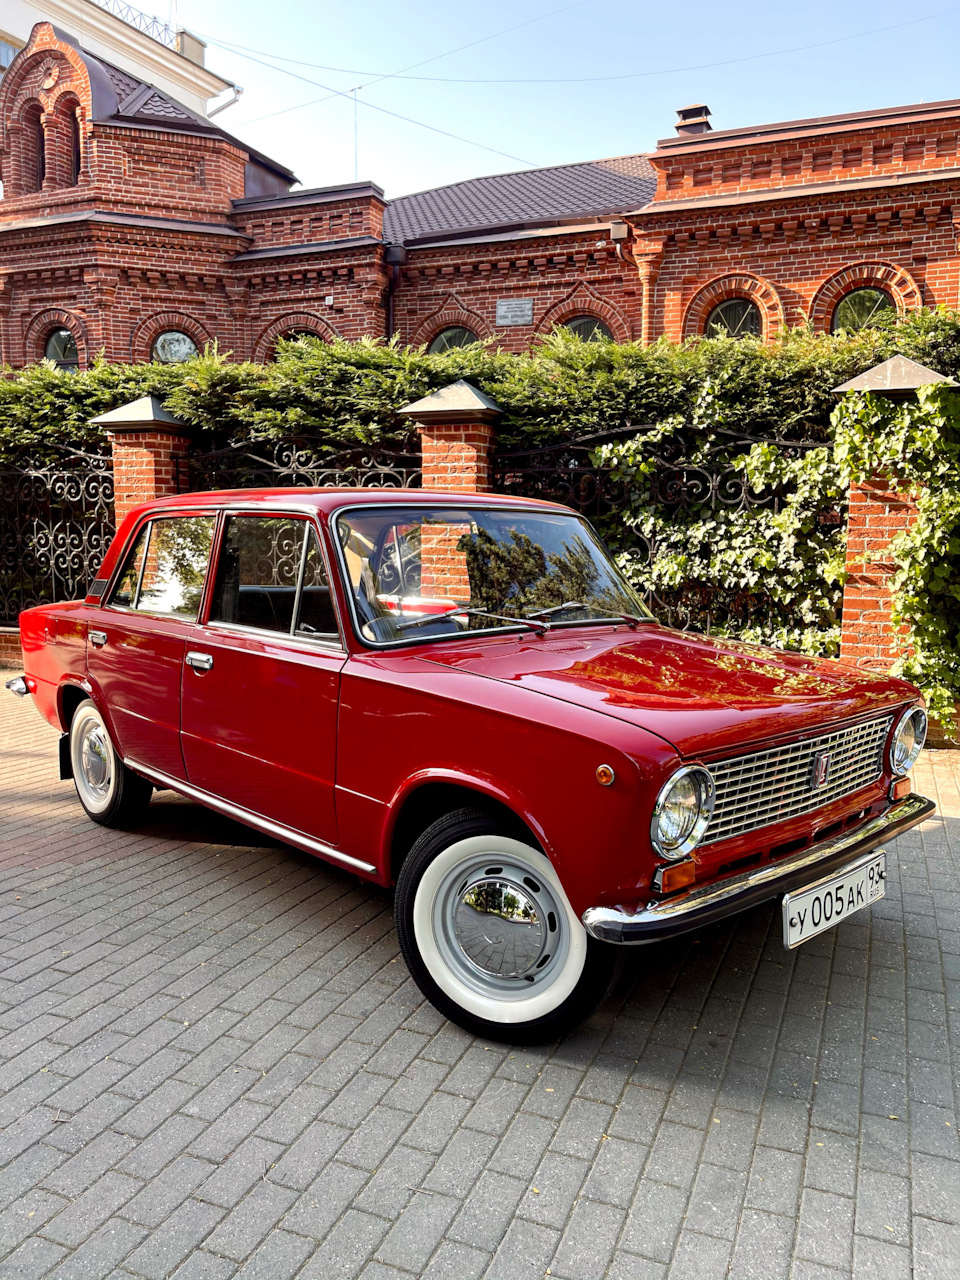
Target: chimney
{"points": [[693, 119], [190, 46]]}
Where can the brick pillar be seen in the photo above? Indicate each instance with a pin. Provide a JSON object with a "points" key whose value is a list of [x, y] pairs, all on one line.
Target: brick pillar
{"points": [[877, 513], [457, 456], [456, 426], [149, 452], [457, 435], [868, 637]]}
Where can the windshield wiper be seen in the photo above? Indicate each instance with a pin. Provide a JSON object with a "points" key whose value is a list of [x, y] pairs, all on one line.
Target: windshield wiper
{"points": [[538, 627], [630, 619]]}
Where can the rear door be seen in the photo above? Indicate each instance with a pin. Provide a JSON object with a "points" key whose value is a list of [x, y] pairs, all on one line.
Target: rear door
{"points": [[261, 682], [135, 645]]}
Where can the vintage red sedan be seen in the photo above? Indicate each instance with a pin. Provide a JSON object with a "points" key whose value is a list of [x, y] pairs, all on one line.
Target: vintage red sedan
{"points": [[461, 695]]}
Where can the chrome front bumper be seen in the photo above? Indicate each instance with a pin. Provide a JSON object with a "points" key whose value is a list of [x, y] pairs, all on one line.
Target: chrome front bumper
{"points": [[708, 903]]}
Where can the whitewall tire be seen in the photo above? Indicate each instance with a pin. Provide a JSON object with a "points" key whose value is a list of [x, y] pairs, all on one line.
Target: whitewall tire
{"points": [[110, 793], [489, 934]]}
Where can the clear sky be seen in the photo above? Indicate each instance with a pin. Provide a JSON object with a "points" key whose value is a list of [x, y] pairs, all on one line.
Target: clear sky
{"points": [[780, 61]]}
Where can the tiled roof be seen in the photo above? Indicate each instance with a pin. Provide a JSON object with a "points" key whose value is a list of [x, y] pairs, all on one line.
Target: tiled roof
{"points": [[122, 81], [590, 189]]}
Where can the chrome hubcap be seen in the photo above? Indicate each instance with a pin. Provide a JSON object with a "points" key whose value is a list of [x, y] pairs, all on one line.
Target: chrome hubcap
{"points": [[95, 762], [500, 927], [92, 757]]}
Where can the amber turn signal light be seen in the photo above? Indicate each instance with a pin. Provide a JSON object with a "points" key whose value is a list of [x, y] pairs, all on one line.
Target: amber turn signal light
{"points": [[605, 775], [669, 879], [899, 788]]}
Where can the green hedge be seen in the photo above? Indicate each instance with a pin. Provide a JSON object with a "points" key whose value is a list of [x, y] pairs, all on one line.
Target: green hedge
{"points": [[343, 393]]}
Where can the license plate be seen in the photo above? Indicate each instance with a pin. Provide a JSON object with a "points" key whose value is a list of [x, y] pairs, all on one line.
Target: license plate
{"points": [[822, 905]]}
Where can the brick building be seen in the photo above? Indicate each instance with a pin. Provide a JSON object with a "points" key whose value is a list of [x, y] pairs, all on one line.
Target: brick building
{"points": [[133, 224]]}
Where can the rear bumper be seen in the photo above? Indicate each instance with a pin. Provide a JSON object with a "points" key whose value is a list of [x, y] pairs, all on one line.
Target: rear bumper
{"points": [[711, 902]]}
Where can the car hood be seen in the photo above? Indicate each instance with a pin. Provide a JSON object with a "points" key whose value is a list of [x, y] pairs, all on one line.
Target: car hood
{"points": [[703, 695]]}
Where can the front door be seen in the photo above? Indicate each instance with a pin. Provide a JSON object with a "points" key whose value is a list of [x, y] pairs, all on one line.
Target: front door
{"points": [[261, 682], [135, 648]]}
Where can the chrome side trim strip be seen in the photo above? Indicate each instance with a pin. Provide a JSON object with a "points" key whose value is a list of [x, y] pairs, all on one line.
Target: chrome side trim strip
{"points": [[711, 902], [251, 819]]}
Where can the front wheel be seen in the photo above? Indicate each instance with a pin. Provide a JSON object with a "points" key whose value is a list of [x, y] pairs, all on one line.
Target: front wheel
{"points": [[110, 793], [489, 935]]}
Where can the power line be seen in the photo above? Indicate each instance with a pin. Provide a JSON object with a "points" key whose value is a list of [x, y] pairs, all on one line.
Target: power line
{"points": [[227, 45], [629, 75], [348, 93], [392, 75]]}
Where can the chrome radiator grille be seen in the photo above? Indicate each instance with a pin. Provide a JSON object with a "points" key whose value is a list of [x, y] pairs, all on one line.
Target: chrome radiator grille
{"points": [[757, 790]]}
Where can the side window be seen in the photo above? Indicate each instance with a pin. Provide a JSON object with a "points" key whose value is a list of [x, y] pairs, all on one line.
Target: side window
{"points": [[258, 572], [316, 614], [175, 566], [125, 592]]}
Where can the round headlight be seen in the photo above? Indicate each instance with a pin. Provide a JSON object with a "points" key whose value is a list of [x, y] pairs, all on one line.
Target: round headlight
{"points": [[683, 809], [908, 739]]}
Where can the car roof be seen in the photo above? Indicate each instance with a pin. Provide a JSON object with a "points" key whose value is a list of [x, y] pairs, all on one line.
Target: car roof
{"points": [[331, 498]]}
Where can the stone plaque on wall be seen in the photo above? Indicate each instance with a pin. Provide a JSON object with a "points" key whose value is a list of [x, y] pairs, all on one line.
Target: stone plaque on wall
{"points": [[514, 311]]}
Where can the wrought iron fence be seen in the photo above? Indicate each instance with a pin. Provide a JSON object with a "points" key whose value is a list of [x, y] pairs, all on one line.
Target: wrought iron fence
{"points": [[298, 464], [689, 478], [56, 523]]}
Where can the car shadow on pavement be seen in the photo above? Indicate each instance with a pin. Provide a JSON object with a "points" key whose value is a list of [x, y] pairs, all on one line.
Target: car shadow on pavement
{"points": [[726, 1009]]}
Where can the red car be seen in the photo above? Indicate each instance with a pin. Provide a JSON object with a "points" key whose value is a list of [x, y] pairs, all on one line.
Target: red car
{"points": [[460, 694]]}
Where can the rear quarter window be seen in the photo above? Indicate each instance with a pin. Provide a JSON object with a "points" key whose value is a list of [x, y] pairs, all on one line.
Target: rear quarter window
{"points": [[165, 569]]}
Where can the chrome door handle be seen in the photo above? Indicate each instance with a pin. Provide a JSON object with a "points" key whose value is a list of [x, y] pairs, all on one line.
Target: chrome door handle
{"points": [[199, 661], [97, 638]]}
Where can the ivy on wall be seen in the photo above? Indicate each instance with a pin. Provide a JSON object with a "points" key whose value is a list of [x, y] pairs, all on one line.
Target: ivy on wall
{"points": [[768, 573], [915, 446]]}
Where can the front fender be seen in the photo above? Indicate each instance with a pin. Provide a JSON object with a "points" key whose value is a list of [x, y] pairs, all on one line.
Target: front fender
{"points": [[485, 785]]}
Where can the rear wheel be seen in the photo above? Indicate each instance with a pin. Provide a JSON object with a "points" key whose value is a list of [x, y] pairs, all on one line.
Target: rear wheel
{"points": [[110, 793], [490, 937]]}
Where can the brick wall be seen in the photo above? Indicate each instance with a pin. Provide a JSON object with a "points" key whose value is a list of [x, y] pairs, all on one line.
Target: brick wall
{"points": [[155, 232], [710, 166], [564, 276], [877, 514], [788, 216], [11, 655], [339, 213], [443, 568], [794, 219]]}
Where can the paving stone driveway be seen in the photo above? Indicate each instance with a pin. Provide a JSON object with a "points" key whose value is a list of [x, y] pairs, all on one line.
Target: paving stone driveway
{"points": [[214, 1064]]}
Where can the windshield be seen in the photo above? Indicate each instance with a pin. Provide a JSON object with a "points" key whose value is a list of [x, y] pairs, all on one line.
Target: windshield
{"points": [[407, 567]]}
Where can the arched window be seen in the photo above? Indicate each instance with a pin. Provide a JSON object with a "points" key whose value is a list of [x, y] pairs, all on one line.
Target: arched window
{"points": [[173, 347], [588, 329], [456, 336], [291, 335], [61, 348], [859, 309], [34, 153], [41, 150], [734, 318], [75, 153]]}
